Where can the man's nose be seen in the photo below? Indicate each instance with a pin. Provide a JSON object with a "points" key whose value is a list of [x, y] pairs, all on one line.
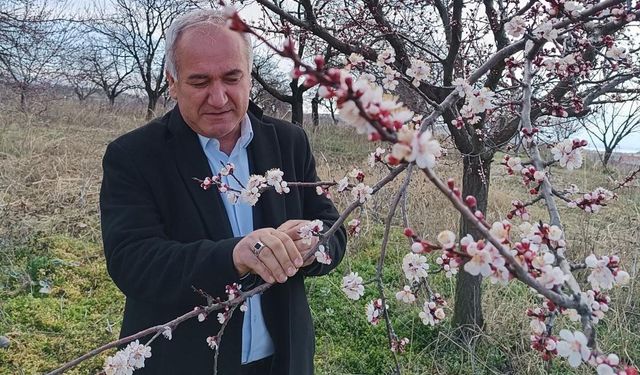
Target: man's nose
{"points": [[217, 95]]}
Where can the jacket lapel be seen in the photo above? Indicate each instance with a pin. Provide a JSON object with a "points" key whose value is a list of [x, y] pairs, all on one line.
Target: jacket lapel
{"points": [[192, 162], [264, 154]]}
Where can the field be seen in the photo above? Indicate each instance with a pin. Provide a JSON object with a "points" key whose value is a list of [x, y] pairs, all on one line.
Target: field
{"points": [[57, 301]]}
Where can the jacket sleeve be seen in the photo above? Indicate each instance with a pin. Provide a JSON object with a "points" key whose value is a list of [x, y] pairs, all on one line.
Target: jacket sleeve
{"points": [[142, 261], [320, 207]]}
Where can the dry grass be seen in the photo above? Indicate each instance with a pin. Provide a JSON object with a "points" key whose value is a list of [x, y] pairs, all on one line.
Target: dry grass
{"points": [[50, 178]]}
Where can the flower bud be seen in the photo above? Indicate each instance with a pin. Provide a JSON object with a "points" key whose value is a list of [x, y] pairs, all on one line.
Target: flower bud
{"points": [[451, 183], [470, 201]]}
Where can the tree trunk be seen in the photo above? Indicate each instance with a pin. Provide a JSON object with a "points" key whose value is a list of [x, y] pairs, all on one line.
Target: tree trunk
{"points": [[296, 110], [467, 316], [151, 107], [332, 109], [23, 100], [314, 111], [112, 100], [607, 156]]}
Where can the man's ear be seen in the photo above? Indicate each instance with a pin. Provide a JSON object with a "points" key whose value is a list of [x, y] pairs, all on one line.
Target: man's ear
{"points": [[172, 85]]}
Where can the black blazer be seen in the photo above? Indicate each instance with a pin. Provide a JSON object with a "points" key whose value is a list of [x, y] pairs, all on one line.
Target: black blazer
{"points": [[163, 235]]}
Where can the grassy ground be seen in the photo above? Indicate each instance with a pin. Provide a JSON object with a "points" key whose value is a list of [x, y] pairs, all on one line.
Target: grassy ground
{"points": [[49, 237]]}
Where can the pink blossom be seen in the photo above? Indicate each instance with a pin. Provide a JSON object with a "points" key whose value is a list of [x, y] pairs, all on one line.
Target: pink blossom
{"points": [[353, 227], [567, 154]]}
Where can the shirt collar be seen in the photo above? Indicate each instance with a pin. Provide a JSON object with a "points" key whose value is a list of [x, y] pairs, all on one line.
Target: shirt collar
{"points": [[246, 135]]}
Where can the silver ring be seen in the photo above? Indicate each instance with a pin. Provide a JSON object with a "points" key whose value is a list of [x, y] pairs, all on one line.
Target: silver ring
{"points": [[257, 248]]}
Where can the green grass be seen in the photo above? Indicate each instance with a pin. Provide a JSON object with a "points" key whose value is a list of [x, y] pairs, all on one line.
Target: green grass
{"points": [[83, 309], [49, 232]]}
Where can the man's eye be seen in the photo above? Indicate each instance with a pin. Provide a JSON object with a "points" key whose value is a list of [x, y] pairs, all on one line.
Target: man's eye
{"points": [[199, 84]]}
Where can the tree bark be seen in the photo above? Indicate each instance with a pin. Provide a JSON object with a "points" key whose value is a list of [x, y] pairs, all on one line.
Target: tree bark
{"points": [[296, 110], [315, 116], [151, 107], [467, 316], [607, 156]]}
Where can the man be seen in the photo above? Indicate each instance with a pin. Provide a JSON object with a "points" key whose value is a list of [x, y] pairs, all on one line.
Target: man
{"points": [[164, 235]]}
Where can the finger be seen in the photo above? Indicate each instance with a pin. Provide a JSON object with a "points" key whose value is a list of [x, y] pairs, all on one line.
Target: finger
{"points": [[260, 268], [291, 224], [293, 253], [288, 254], [267, 257]]}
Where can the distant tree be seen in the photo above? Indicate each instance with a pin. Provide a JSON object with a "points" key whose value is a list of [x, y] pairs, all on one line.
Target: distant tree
{"points": [[611, 124], [33, 40], [109, 67], [138, 28]]}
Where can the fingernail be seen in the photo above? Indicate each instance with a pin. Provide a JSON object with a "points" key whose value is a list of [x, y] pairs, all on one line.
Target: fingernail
{"points": [[298, 262], [291, 271]]}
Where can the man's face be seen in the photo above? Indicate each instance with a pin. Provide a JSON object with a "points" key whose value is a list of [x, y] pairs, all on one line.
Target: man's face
{"points": [[213, 83]]}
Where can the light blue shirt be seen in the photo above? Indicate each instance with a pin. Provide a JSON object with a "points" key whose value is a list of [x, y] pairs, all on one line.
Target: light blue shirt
{"points": [[256, 341]]}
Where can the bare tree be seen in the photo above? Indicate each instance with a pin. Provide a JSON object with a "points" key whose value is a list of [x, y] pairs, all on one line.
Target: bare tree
{"points": [[138, 28], [610, 124], [108, 66], [33, 40]]}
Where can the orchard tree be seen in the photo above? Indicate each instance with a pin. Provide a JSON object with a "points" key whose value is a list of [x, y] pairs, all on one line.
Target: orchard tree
{"points": [[437, 46], [137, 27], [33, 40], [534, 253], [294, 90], [611, 124], [108, 66]]}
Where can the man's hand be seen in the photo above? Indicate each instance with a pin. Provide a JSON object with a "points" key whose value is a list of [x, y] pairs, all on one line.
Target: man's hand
{"points": [[278, 260], [291, 228]]}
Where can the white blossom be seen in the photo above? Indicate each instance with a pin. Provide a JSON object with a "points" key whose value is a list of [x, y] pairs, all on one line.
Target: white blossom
{"points": [[551, 276], [573, 346], [481, 100], [424, 150], [308, 231], [361, 192], [352, 286], [419, 71], [406, 295], [447, 239], [566, 155], [386, 57], [415, 266], [322, 256], [480, 262], [601, 277], [516, 27]]}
